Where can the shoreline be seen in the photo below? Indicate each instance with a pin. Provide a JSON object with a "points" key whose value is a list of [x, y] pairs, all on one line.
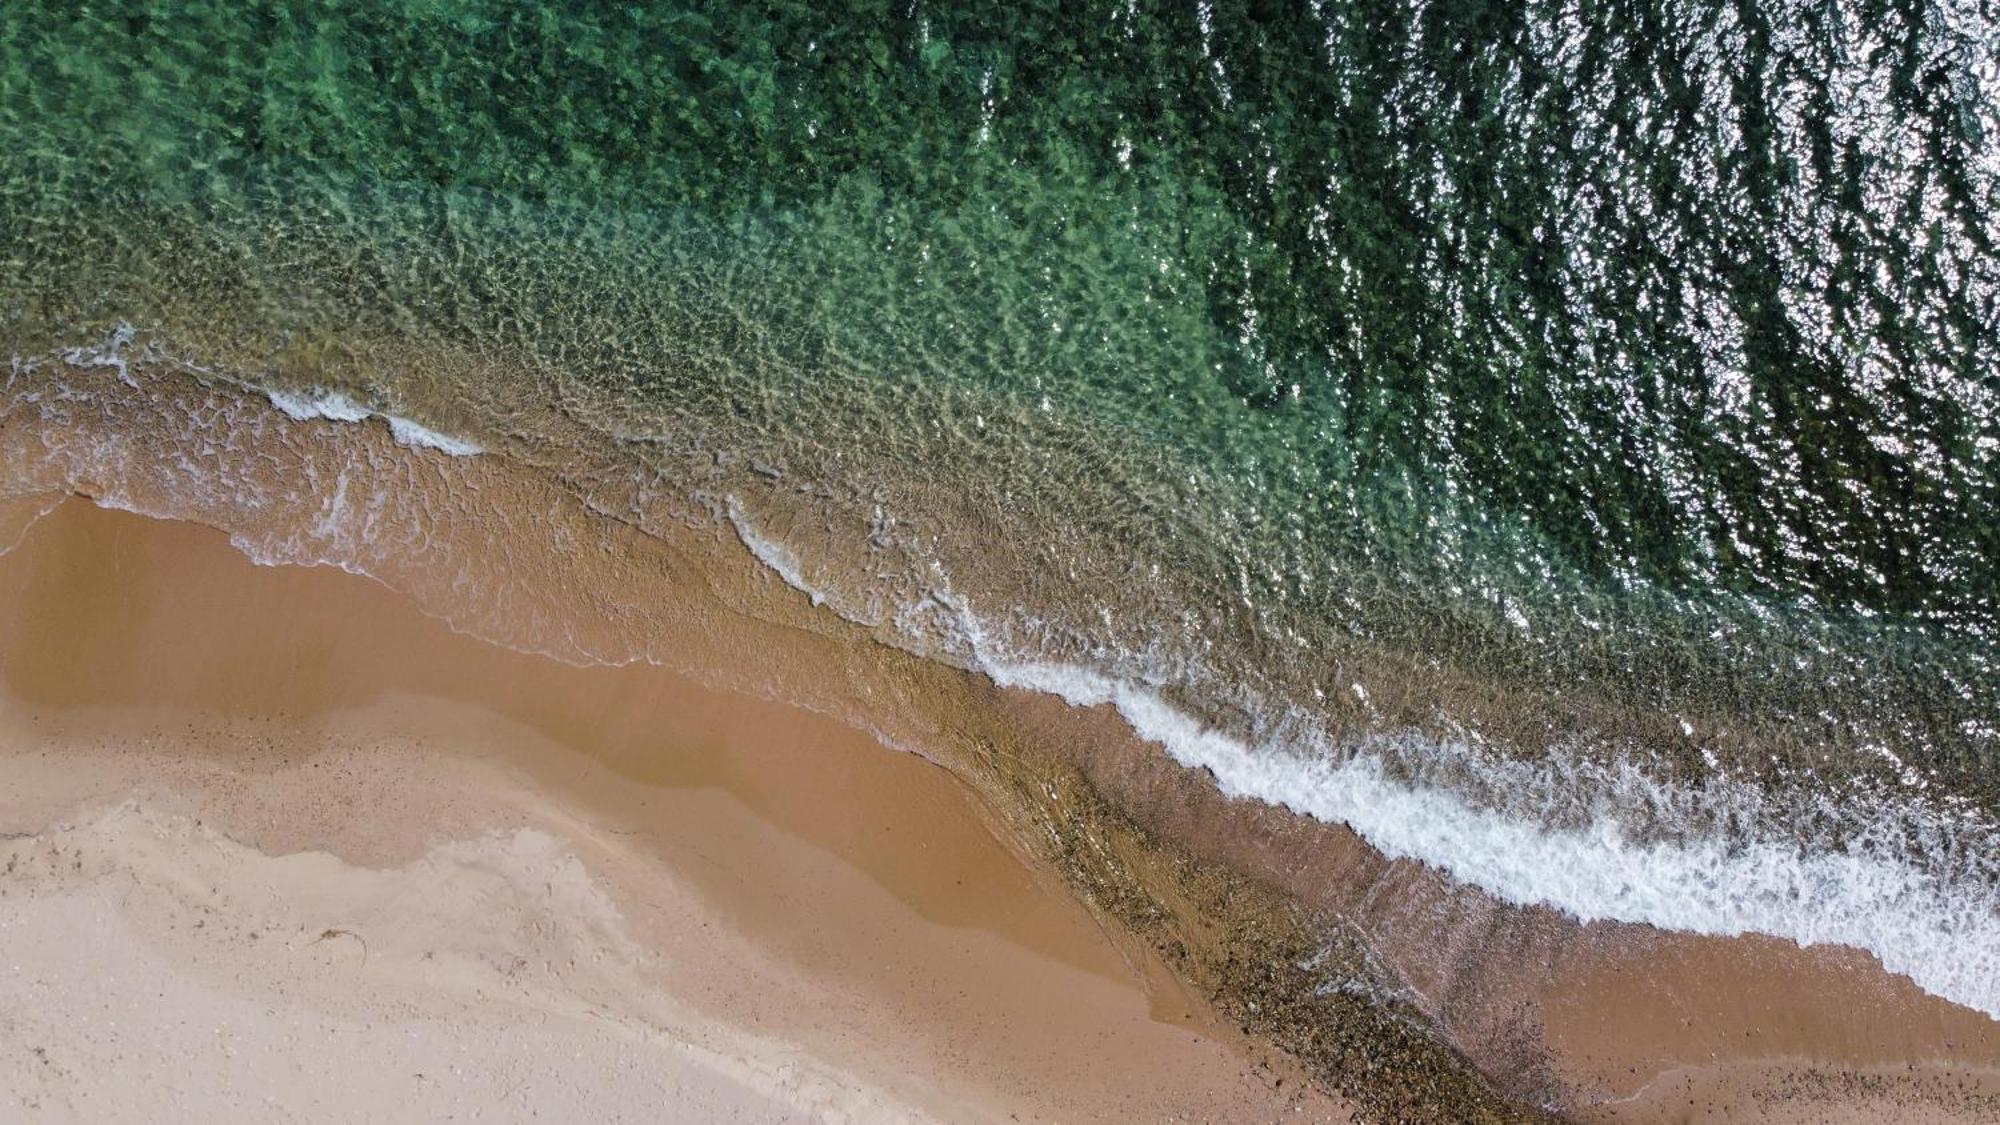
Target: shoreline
{"points": [[866, 916], [1386, 980]]}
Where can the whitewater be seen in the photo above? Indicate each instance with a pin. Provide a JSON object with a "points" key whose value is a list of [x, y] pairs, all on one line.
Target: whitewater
{"points": [[1937, 924]]}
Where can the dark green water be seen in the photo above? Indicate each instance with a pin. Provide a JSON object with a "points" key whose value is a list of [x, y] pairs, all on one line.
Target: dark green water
{"points": [[1518, 393]]}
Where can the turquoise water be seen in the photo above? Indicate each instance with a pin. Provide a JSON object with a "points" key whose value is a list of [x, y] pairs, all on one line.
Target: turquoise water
{"points": [[1617, 386]]}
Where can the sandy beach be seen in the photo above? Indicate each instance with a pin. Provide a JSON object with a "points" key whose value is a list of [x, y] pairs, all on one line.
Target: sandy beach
{"points": [[279, 844], [1433, 564], [808, 872]]}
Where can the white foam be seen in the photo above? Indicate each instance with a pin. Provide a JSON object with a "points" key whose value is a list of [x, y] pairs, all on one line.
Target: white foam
{"points": [[331, 405], [110, 353], [337, 407], [1945, 938], [772, 554], [1943, 933], [409, 433]]}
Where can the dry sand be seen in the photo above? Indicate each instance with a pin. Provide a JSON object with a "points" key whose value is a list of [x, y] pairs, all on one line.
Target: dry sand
{"points": [[281, 846]]}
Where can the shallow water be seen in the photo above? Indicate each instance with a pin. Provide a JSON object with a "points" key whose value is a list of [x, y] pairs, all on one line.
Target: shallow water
{"points": [[1561, 444]]}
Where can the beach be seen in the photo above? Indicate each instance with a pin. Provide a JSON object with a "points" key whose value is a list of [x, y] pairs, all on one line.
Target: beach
{"points": [[331, 857], [1090, 562], [764, 895]]}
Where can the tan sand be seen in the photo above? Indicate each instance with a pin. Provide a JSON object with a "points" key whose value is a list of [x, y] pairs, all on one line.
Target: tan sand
{"points": [[158, 970], [924, 969], [284, 845], [1704, 1029], [1604, 1022]]}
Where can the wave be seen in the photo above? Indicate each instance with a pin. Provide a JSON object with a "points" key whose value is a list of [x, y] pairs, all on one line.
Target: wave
{"points": [[1937, 924], [773, 554], [305, 406], [1937, 930]]}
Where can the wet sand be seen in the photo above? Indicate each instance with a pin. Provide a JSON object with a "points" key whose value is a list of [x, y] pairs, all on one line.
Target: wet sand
{"points": [[351, 847], [1606, 1022], [939, 970], [1675, 1027]]}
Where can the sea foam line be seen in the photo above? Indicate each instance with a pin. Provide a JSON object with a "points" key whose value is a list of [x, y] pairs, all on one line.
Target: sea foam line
{"points": [[773, 554], [1944, 936], [1905, 916], [336, 407]]}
